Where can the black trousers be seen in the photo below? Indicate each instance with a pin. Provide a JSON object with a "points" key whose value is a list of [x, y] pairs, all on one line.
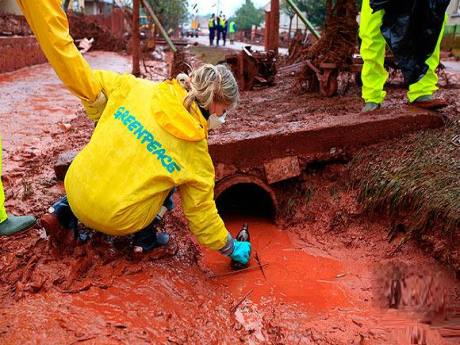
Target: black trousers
{"points": [[219, 33], [212, 34]]}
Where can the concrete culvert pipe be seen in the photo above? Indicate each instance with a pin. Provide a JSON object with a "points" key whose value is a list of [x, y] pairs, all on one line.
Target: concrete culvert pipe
{"points": [[245, 195]]}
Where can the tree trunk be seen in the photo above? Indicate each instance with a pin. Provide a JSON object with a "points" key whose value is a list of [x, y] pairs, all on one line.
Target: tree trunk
{"points": [[290, 27], [135, 39], [65, 5], [275, 9]]}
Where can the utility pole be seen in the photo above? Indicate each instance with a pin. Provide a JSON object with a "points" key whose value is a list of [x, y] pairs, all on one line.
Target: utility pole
{"points": [[275, 7], [135, 42], [272, 26]]}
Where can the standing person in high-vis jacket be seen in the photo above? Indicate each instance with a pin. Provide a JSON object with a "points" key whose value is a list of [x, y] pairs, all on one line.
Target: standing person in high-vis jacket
{"points": [[150, 138], [212, 29], [224, 24], [219, 28], [9, 224], [232, 31], [374, 75]]}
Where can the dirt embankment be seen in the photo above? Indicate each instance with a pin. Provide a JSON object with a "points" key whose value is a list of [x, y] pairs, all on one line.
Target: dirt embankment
{"points": [[332, 275], [81, 26], [11, 24], [99, 292], [323, 283]]}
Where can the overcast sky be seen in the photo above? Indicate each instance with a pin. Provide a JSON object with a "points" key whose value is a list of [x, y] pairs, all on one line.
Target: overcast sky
{"points": [[228, 7]]}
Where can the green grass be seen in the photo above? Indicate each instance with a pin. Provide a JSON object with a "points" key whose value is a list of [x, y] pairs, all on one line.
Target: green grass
{"points": [[417, 177]]}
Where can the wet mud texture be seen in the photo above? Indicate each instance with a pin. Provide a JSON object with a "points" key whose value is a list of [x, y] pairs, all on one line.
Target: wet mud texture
{"points": [[81, 26], [11, 24], [322, 283], [319, 286], [279, 109]]}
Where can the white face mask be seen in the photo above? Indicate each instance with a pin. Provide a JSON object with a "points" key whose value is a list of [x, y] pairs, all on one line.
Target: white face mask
{"points": [[215, 121]]}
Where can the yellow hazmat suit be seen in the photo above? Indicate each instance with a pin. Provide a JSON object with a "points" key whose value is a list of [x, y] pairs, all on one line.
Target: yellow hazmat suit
{"points": [[373, 74], [3, 215], [145, 142]]}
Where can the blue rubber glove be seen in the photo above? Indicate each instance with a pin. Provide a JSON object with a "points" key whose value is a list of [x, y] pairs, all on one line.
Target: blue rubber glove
{"points": [[241, 252]]}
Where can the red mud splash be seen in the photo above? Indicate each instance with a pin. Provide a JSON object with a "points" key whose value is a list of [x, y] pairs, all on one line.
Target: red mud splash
{"points": [[291, 275]]}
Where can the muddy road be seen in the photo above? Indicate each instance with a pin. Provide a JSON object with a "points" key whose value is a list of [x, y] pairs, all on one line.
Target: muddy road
{"points": [[329, 274]]}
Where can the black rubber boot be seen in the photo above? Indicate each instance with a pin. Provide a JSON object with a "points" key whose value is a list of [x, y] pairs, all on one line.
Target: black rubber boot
{"points": [[149, 238]]}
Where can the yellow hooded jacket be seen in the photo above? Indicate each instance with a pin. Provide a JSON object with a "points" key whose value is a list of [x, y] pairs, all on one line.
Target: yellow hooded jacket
{"points": [[145, 143]]}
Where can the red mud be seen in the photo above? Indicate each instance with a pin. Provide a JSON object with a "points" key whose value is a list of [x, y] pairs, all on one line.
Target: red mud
{"points": [[281, 108], [292, 275], [328, 273], [11, 24], [82, 26], [18, 52], [34, 103]]}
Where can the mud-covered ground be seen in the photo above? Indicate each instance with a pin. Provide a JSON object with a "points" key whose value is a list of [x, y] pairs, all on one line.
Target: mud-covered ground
{"points": [[329, 273], [284, 107]]}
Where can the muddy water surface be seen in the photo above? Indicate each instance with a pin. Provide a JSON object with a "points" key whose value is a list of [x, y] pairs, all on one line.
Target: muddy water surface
{"points": [[291, 274]]}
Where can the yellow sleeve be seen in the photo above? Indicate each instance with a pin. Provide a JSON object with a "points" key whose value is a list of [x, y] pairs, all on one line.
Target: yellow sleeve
{"points": [[201, 212], [108, 81], [51, 28]]}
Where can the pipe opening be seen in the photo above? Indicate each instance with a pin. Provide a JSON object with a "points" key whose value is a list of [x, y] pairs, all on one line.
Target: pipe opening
{"points": [[246, 199]]}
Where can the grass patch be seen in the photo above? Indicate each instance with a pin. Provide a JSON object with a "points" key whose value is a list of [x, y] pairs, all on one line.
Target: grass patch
{"points": [[417, 177], [210, 54]]}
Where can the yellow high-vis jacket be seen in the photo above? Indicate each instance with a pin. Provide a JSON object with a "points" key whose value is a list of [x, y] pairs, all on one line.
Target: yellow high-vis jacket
{"points": [[145, 143]]}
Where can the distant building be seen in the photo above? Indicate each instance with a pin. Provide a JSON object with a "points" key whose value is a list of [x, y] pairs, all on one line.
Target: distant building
{"points": [[9, 6], [92, 6], [76, 5], [454, 12], [98, 6], [284, 21], [86, 6]]}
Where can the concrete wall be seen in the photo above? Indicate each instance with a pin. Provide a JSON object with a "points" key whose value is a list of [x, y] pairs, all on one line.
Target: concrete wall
{"points": [[9, 6], [18, 52], [284, 21], [102, 7], [454, 12]]}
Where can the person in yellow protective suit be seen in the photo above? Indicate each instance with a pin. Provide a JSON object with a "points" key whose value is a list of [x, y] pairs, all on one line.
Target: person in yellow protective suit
{"points": [[9, 224], [374, 75], [212, 29], [150, 138]]}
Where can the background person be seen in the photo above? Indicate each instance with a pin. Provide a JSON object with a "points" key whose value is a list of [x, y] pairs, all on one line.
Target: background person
{"points": [[224, 24], [232, 31], [418, 69], [219, 28], [212, 29]]}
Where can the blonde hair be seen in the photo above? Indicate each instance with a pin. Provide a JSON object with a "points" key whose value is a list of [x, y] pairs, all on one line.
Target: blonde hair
{"points": [[209, 83]]}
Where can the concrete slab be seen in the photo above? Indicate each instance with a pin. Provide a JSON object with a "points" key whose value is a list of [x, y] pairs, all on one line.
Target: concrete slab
{"points": [[339, 132]]}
